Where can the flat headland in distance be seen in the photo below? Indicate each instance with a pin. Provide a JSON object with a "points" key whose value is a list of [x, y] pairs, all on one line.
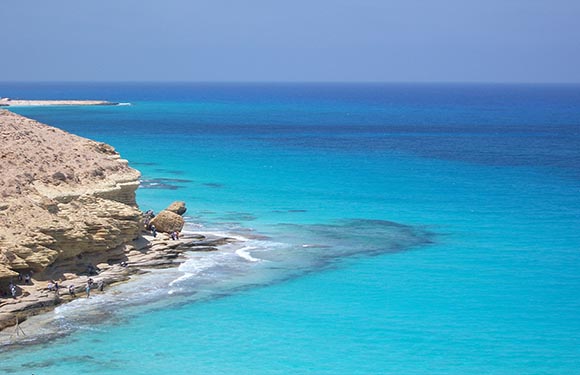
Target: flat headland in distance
{"points": [[8, 102]]}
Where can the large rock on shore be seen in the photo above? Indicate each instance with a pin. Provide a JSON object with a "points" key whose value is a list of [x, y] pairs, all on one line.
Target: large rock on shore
{"points": [[65, 201], [177, 207], [167, 221]]}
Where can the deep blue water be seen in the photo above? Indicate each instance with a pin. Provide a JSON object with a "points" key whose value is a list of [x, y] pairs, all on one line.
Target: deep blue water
{"points": [[411, 229]]}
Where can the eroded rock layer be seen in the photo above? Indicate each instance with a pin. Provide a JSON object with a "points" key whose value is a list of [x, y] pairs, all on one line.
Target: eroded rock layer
{"points": [[65, 201]]}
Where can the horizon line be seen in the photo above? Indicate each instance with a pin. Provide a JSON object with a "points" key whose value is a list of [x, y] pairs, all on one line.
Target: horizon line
{"points": [[292, 82]]}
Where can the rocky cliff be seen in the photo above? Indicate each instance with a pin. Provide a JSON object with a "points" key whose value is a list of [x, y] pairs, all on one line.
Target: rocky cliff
{"points": [[65, 201]]}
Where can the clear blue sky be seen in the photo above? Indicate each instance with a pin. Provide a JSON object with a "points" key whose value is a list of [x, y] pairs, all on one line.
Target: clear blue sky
{"points": [[292, 40]]}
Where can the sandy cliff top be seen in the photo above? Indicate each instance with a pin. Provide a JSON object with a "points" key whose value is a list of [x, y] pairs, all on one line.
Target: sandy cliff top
{"points": [[36, 157]]}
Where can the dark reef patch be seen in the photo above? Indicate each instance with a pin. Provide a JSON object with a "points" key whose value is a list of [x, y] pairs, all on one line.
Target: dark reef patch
{"points": [[238, 216], [289, 210], [207, 212], [163, 183], [170, 171], [350, 237], [213, 185]]}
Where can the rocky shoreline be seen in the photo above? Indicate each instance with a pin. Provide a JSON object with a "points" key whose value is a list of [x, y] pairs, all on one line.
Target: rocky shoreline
{"points": [[69, 219], [144, 255]]}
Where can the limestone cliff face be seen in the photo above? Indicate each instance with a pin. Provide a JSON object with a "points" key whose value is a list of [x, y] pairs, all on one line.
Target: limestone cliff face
{"points": [[65, 201]]}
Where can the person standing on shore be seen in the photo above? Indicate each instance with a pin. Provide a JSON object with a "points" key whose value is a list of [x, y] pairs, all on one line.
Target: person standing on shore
{"points": [[88, 290], [153, 230]]}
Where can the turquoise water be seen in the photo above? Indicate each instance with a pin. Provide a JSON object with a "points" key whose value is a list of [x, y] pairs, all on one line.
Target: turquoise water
{"points": [[387, 230]]}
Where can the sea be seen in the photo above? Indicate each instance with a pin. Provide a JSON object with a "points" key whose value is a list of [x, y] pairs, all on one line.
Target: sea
{"points": [[382, 229]]}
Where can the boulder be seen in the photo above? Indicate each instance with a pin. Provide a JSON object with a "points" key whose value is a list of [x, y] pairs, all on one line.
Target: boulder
{"points": [[177, 207], [167, 221]]}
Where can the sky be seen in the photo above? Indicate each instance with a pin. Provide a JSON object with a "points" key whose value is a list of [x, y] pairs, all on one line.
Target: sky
{"points": [[292, 40]]}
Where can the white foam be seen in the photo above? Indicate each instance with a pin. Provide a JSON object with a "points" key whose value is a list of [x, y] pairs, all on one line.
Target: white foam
{"points": [[185, 276], [244, 253], [216, 233], [196, 266]]}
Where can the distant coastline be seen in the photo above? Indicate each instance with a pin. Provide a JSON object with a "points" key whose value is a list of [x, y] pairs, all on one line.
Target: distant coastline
{"points": [[8, 102]]}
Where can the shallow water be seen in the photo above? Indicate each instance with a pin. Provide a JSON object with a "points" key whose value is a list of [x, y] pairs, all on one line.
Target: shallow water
{"points": [[389, 229]]}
